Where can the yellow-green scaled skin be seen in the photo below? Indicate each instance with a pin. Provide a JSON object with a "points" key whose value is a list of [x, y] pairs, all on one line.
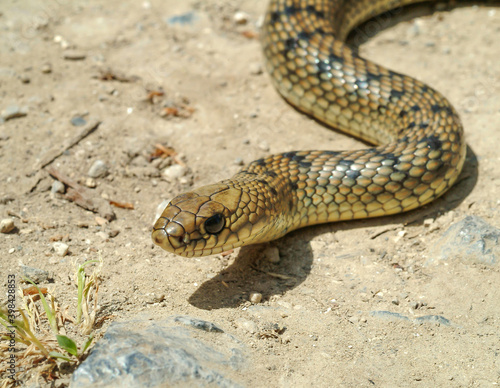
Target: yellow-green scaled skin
{"points": [[421, 142]]}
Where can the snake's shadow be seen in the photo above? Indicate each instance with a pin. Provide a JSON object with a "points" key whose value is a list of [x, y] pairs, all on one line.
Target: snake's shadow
{"points": [[251, 272]]}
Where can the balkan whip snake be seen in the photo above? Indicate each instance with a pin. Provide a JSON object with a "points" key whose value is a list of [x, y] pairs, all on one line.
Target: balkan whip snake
{"points": [[419, 153]]}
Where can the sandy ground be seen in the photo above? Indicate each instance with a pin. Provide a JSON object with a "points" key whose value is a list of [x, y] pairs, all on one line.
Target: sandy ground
{"points": [[218, 109]]}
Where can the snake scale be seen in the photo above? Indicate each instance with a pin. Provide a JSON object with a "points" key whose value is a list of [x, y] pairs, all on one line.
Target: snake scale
{"points": [[418, 152]]}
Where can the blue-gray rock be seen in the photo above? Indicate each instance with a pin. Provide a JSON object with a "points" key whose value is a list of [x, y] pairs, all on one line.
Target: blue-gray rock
{"points": [[36, 275], [437, 319], [185, 18], [198, 324], [144, 353], [391, 316], [471, 240], [78, 121]]}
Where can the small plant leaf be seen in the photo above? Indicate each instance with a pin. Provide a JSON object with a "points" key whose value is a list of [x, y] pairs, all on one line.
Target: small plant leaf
{"points": [[51, 316], [80, 278], [67, 344], [59, 355], [87, 343]]}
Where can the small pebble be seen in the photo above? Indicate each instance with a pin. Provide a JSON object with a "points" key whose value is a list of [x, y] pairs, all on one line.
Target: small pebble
{"points": [[24, 78], [272, 254], [78, 121], [255, 68], [241, 17], [103, 235], [238, 161], [174, 172], [428, 221], [60, 248], [395, 301], [154, 298], [14, 112], [264, 146], [98, 169], [46, 68], [113, 233], [74, 55], [247, 325], [255, 297], [58, 187], [101, 221], [7, 225], [90, 183]]}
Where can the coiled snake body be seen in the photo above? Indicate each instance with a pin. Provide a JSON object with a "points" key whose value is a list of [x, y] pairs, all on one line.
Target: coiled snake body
{"points": [[420, 152]]}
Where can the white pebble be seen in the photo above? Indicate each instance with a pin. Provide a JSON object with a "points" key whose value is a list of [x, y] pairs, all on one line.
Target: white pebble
{"points": [[174, 172], [255, 297], [103, 235], [98, 169], [241, 17], [60, 248], [7, 225], [247, 325], [264, 145], [90, 183], [255, 68], [58, 187]]}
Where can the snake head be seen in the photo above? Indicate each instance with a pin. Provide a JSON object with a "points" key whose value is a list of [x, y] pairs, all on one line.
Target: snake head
{"points": [[210, 220]]}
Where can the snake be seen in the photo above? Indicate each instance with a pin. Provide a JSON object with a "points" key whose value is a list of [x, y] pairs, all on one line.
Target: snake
{"points": [[416, 137]]}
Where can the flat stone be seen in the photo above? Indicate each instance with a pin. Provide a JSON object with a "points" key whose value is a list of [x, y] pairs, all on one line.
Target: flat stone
{"points": [[36, 275], [393, 317], [471, 240], [78, 121], [198, 324], [13, 112], [143, 353], [74, 55]]}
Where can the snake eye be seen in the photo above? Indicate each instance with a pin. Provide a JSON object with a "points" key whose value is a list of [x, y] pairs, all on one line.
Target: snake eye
{"points": [[214, 224]]}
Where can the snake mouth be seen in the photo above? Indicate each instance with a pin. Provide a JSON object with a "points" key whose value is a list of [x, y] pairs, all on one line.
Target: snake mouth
{"points": [[178, 245]]}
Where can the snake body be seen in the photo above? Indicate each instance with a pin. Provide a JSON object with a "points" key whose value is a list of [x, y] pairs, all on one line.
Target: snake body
{"points": [[419, 142]]}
